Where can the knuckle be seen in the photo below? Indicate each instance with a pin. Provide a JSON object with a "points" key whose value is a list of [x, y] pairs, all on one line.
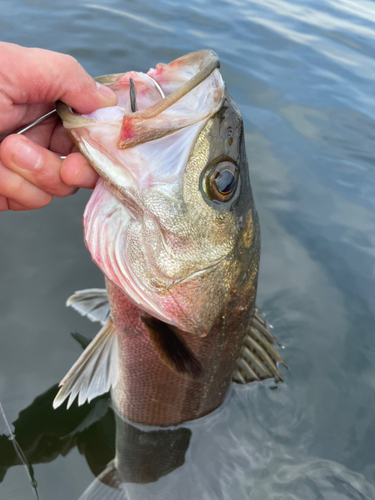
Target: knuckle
{"points": [[70, 61], [19, 187], [76, 79], [73, 68]]}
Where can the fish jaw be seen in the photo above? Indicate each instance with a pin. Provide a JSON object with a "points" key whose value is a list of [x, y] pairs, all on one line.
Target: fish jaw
{"points": [[151, 145]]}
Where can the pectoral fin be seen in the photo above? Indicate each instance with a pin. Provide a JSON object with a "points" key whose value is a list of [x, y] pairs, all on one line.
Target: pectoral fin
{"points": [[92, 303], [258, 359], [95, 371], [172, 348]]}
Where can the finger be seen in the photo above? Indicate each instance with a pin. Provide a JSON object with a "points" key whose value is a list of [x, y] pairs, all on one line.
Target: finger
{"points": [[40, 76], [14, 118], [3, 204], [52, 135], [76, 171], [38, 165], [42, 133], [16, 188], [16, 207], [61, 142]]}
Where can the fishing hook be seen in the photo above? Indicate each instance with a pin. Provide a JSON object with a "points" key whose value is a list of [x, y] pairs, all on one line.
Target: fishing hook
{"points": [[36, 122]]}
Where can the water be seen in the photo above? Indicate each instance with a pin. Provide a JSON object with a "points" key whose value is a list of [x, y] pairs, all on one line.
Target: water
{"points": [[302, 75]]}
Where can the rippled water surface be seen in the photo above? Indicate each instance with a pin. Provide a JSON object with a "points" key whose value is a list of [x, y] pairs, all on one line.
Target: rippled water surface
{"points": [[302, 74]]}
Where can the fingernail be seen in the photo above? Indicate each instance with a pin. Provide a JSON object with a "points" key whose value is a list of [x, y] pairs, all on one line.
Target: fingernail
{"points": [[106, 92], [26, 156]]}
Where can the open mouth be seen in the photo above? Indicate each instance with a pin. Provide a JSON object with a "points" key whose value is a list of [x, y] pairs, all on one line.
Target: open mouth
{"points": [[147, 137]]}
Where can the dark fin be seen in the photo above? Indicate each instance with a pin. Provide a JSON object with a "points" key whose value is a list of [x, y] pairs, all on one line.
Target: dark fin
{"points": [[258, 359], [95, 371], [133, 95], [92, 303], [107, 485], [172, 348], [81, 339]]}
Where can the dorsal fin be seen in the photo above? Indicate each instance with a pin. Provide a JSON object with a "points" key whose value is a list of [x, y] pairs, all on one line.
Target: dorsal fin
{"points": [[95, 371]]}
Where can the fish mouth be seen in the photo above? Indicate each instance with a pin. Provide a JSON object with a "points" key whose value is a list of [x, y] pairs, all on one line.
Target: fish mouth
{"points": [[151, 144]]}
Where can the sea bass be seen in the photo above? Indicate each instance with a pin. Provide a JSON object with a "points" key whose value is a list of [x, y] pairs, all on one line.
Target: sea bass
{"points": [[173, 227]]}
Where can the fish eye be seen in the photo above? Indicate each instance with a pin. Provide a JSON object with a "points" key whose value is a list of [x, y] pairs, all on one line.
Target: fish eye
{"points": [[221, 181]]}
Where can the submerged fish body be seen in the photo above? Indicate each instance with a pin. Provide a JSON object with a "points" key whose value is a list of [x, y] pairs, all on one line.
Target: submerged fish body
{"points": [[173, 227]]}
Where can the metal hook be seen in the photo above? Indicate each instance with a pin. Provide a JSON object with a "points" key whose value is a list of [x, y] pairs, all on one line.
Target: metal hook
{"points": [[36, 122], [39, 120]]}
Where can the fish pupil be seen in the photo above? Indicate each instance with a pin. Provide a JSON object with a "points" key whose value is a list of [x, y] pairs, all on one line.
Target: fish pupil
{"points": [[225, 181]]}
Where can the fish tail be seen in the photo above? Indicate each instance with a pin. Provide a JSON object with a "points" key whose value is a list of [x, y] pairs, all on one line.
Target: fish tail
{"points": [[258, 359], [95, 371]]}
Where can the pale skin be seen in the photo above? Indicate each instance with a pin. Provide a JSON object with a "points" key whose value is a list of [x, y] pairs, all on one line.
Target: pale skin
{"points": [[31, 170]]}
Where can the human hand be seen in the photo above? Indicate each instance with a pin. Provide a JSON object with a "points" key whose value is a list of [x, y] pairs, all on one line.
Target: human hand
{"points": [[31, 170]]}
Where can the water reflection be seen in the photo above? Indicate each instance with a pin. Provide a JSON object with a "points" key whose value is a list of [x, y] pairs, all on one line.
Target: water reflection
{"points": [[186, 462], [114, 449], [44, 434]]}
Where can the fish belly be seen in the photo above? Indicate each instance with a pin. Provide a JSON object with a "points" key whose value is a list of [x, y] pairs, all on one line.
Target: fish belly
{"points": [[148, 390]]}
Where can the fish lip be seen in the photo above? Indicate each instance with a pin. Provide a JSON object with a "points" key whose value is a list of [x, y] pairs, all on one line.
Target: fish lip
{"points": [[197, 67], [210, 62]]}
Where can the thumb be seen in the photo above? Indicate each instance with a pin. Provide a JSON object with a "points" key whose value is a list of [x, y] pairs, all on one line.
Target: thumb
{"points": [[36, 76]]}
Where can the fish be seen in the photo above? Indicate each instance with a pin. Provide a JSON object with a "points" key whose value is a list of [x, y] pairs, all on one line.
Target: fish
{"points": [[173, 227]]}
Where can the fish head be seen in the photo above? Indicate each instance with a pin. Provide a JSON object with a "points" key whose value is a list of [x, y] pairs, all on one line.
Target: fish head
{"points": [[171, 220]]}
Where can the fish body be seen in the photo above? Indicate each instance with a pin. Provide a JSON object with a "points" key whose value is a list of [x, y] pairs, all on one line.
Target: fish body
{"points": [[173, 227]]}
